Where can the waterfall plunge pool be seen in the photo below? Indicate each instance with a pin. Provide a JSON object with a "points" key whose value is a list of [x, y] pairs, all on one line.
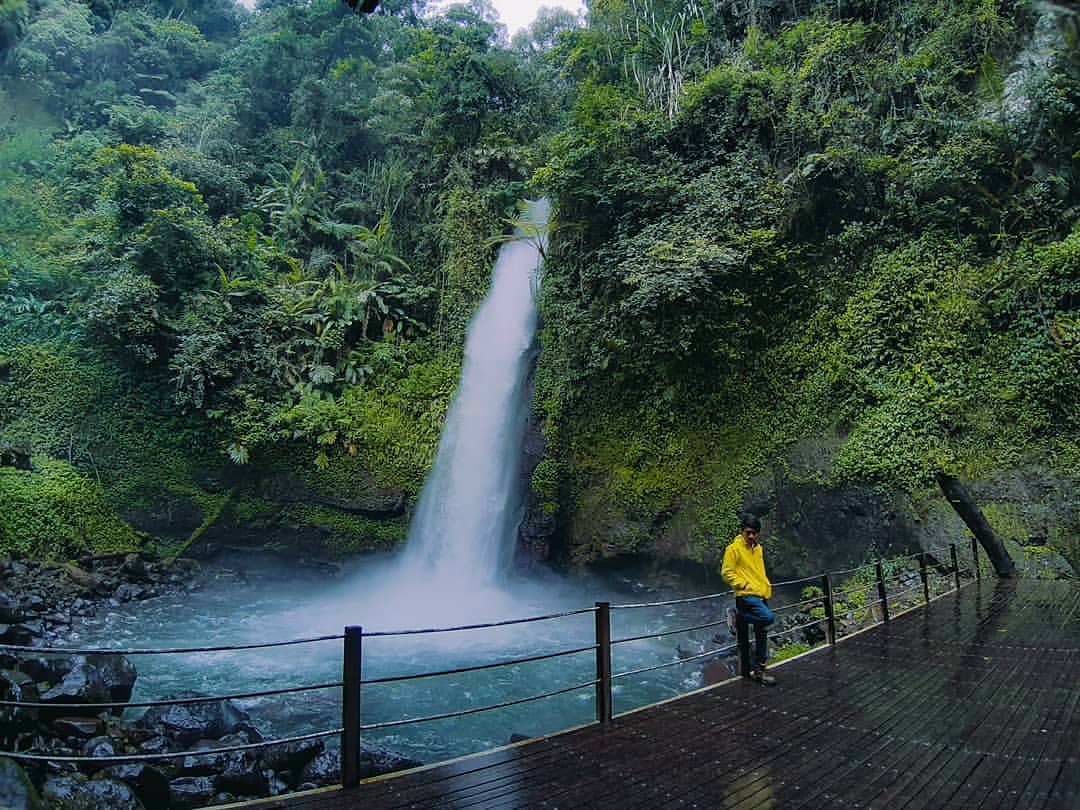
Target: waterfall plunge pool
{"points": [[271, 603]]}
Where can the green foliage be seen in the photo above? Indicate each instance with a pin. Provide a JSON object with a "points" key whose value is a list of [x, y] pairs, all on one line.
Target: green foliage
{"points": [[223, 243], [391, 430], [790, 650], [842, 213], [468, 224], [347, 534], [13, 18], [55, 512]]}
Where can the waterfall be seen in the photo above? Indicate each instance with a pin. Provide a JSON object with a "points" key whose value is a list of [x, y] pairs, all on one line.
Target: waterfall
{"points": [[461, 538]]}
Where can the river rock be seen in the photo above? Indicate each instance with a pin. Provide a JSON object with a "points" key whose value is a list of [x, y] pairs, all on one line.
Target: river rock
{"points": [[292, 756], [11, 609], [191, 791], [32, 602], [22, 634], [85, 727], [99, 748], [149, 784], [17, 685], [240, 772], [131, 592], [47, 669], [84, 579], [324, 769], [94, 679], [377, 761], [16, 790], [71, 792], [189, 723]]}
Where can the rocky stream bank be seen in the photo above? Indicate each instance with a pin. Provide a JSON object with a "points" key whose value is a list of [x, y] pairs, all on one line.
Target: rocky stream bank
{"points": [[38, 605]]}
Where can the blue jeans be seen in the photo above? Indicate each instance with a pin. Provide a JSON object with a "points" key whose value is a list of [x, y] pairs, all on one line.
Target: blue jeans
{"points": [[755, 610]]}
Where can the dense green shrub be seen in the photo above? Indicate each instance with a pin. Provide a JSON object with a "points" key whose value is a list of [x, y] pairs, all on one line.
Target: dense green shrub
{"points": [[55, 512]]}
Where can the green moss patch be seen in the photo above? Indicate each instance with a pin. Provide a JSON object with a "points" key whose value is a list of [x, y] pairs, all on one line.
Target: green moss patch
{"points": [[56, 512]]}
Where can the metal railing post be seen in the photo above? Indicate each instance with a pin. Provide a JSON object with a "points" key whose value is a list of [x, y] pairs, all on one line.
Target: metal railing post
{"points": [[955, 564], [350, 707], [883, 596], [603, 662], [830, 616], [975, 556], [925, 577]]}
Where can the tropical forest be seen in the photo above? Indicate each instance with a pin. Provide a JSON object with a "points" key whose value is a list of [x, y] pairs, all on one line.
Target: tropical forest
{"points": [[818, 260]]}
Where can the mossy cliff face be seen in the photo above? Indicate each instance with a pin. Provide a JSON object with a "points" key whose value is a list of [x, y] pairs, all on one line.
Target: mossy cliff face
{"points": [[676, 499]]}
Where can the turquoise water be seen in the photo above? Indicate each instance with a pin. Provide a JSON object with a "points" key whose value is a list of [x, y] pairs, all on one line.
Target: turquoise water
{"points": [[285, 605]]}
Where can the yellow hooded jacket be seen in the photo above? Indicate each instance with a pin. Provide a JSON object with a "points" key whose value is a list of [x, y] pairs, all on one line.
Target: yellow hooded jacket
{"points": [[744, 569]]}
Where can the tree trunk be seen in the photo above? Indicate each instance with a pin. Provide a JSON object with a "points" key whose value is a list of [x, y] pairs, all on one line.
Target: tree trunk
{"points": [[969, 511]]}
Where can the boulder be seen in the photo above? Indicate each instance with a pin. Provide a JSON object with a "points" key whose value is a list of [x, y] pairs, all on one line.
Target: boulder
{"points": [[85, 727], [238, 772], [22, 634], [93, 679], [377, 761], [43, 668], [130, 592], [19, 686], [239, 778], [11, 609], [99, 748], [292, 756], [71, 792], [84, 579], [189, 723], [191, 791], [149, 784], [156, 744], [324, 769], [211, 763], [16, 790]]}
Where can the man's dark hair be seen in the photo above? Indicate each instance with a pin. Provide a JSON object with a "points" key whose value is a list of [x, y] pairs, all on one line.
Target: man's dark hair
{"points": [[747, 520]]}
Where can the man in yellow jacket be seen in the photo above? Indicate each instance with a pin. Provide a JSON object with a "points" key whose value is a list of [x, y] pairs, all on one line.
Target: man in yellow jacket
{"points": [[744, 570]]}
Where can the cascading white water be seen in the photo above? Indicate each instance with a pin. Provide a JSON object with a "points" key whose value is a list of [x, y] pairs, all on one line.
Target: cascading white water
{"points": [[462, 535]]}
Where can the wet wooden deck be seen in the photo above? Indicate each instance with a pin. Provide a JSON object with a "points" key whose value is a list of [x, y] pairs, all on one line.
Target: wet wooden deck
{"points": [[970, 702]]}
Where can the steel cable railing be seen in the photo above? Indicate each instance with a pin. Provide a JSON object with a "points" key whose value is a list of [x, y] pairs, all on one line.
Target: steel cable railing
{"points": [[477, 709], [663, 633], [173, 701], [168, 650], [164, 755], [477, 667], [482, 626], [678, 662], [932, 568]]}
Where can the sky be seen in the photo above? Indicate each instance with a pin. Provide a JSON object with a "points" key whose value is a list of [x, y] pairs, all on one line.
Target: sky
{"points": [[517, 14]]}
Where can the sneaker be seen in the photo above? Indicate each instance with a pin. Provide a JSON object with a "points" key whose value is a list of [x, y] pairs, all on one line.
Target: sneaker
{"points": [[732, 617], [762, 677]]}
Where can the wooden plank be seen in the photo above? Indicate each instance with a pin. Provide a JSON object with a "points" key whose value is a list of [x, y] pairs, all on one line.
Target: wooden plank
{"points": [[1027, 746], [856, 777], [812, 751], [792, 727]]}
